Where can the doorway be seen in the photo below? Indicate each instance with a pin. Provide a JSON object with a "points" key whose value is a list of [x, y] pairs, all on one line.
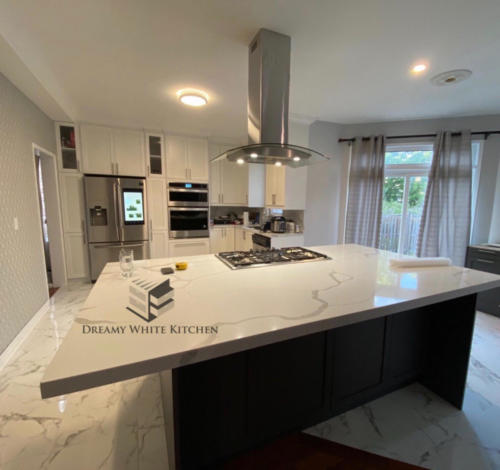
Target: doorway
{"points": [[50, 218]]}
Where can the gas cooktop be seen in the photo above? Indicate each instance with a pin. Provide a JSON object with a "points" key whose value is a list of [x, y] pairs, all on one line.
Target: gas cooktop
{"points": [[257, 258]]}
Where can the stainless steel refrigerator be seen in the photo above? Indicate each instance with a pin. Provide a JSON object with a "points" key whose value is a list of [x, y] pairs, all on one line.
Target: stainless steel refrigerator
{"points": [[116, 215]]}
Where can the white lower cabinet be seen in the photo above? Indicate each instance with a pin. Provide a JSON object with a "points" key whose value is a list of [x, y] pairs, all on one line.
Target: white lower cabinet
{"points": [[188, 247], [159, 244], [77, 261], [242, 239], [222, 238]]}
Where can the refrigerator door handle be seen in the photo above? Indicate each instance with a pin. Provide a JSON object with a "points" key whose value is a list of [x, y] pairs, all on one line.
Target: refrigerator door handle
{"points": [[115, 206], [120, 211]]}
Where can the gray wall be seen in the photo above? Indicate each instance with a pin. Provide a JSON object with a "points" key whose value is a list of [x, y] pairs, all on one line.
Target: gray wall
{"points": [[23, 288], [328, 193], [325, 186]]}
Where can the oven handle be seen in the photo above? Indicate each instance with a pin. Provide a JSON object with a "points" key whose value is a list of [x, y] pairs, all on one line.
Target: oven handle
{"points": [[199, 209], [182, 190]]}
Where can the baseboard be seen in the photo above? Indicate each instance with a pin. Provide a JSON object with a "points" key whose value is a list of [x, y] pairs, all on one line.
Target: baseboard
{"points": [[12, 348]]}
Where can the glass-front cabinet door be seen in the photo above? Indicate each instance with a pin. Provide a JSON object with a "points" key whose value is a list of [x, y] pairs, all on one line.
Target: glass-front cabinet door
{"points": [[156, 165], [67, 147]]}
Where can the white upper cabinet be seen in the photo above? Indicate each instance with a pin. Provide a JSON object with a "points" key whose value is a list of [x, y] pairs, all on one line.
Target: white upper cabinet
{"points": [[155, 155], [215, 187], [234, 183], [197, 159], [177, 158], [109, 151], [275, 186], [187, 159], [129, 153], [67, 147], [228, 180], [295, 188], [97, 149]]}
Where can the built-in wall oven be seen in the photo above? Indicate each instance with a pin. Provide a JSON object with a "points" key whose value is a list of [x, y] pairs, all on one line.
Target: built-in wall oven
{"points": [[188, 210]]}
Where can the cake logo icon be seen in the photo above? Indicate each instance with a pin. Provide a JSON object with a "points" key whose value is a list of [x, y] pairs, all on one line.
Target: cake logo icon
{"points": [[149, 298]]}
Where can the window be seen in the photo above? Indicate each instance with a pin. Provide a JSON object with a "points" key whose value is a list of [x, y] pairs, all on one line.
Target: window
{"points": [[406, 176]]}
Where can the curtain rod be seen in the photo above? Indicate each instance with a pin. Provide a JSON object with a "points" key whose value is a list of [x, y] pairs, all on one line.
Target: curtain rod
{"points": [[417, 136]]}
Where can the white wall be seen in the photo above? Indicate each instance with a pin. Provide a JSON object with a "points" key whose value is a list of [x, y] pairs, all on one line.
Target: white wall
{"points": [[327, 183], [23, 288]]}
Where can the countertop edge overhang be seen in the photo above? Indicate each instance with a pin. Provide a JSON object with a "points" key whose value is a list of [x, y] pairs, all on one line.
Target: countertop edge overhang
{"points": [[71, 384]]}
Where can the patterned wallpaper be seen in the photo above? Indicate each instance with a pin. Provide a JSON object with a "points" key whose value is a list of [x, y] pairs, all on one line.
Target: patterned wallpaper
{"points": [[22, 280]]}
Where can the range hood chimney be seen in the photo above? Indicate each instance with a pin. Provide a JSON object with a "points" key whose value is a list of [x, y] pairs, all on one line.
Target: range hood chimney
{"points": [[268, 93]]}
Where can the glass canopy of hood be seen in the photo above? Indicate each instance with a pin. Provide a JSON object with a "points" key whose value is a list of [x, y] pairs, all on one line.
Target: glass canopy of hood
{"points": [[273, 154]]}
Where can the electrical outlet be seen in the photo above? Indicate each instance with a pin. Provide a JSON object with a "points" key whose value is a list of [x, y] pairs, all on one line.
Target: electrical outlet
{"points": [[16, 224]]}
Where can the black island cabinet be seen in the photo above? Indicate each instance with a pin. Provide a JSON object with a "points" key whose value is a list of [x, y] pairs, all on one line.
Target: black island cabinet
{"points": [[231, 404]]}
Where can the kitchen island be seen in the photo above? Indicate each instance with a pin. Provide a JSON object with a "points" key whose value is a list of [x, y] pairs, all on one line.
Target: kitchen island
{"points": [[247, 355]]}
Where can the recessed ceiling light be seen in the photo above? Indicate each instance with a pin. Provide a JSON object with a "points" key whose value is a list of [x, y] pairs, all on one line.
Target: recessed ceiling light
{"points": [[240, 161], [278, 163], [253, 155], [296, 159], [192, 97], [419, 68]]}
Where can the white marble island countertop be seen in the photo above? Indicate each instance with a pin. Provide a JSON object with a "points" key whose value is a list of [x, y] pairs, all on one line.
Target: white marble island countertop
{"points": [[219, 311]]}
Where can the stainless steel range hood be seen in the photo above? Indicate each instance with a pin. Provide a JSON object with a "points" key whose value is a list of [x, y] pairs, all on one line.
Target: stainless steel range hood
{"points": [[268, 92]]}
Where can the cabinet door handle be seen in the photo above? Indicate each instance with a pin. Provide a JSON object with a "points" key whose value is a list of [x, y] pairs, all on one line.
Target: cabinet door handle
{"points": [[149, 171], [150, 230], [222, 198], [117, 168], [482, 260], [112, 168], [485, 251]]}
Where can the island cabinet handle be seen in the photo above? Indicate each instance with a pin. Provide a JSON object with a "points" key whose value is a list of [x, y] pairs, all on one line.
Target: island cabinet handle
{"points": [[485, 251], [482, 260]]}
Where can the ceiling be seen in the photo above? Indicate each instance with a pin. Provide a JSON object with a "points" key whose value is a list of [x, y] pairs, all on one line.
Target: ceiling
{"points": [[120, 62]]}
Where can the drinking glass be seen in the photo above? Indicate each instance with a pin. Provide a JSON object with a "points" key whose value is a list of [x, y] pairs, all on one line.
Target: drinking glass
{"points": [[126, 262]]}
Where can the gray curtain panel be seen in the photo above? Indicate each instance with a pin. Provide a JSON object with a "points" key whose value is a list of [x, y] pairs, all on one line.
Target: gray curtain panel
{"points": [[366, 191], [446, 217]]}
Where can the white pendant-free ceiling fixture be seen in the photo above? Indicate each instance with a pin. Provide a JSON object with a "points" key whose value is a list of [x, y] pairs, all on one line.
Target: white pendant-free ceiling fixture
{"points": [[192, 97], [451, 77]]}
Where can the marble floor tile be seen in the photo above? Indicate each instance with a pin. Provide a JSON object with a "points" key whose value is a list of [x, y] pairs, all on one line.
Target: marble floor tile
{"points": [[120, 426]]}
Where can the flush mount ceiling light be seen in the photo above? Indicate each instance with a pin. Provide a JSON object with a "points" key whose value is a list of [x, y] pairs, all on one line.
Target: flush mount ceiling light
{"points": [[296, 159], [253, 155], [419, 68], [451, 77], [191, 97], [278, 163], [240, 161]]}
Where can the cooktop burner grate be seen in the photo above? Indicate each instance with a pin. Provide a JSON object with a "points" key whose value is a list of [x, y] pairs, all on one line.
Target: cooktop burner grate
{"points": [[252, 258]]}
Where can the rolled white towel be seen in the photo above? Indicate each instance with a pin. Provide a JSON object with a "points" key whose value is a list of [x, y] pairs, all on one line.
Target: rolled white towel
{"points": [[418, 262]]}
